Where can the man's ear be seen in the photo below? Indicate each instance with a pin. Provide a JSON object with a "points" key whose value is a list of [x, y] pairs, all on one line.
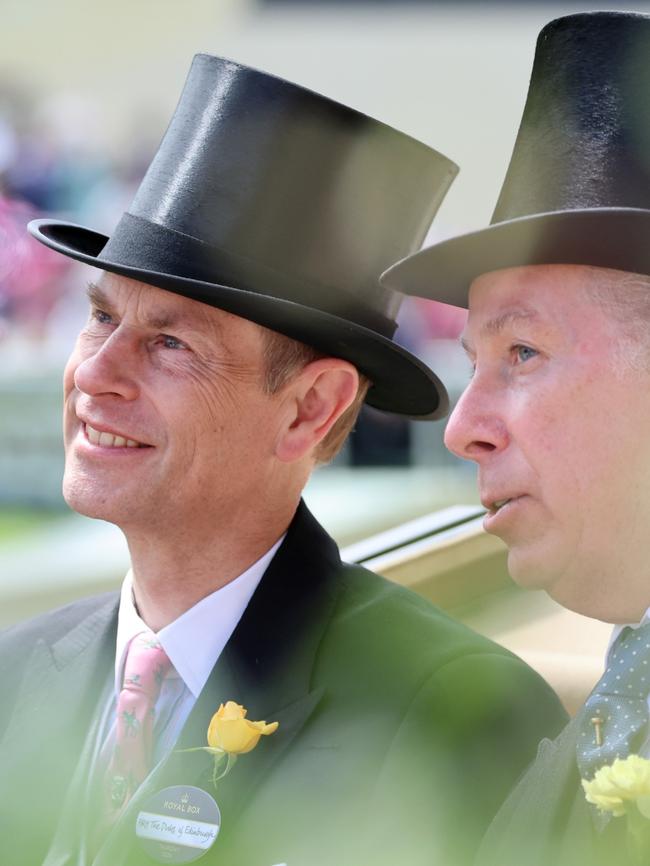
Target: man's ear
{"points": [[319, 395]]}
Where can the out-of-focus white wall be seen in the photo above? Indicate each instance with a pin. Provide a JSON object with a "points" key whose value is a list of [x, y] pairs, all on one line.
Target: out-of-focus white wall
{"points": [[453, 75]]}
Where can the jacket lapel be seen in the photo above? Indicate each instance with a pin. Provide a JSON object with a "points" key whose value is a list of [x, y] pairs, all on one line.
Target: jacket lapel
{"points": [[546, 817], [267, 666], [269, 662]]}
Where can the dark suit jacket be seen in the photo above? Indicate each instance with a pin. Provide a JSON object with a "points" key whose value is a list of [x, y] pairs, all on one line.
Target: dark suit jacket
{"points": [[546, 820], [401, 731]]}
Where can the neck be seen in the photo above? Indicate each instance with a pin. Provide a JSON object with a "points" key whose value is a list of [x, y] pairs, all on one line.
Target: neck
{"points": [[173, 571]]}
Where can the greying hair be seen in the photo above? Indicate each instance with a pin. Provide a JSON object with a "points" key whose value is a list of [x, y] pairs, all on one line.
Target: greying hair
{"points": [[284, 358]]}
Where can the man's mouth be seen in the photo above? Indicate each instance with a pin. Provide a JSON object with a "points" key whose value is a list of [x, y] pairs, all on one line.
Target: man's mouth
{"points": [[110, 440], [498, 504]]}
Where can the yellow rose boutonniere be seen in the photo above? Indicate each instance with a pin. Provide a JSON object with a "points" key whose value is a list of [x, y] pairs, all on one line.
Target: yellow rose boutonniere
{"points": [[623, 788], [231, 734], [230, 731]]}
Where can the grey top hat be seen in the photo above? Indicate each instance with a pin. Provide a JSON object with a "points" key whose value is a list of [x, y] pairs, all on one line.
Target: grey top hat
{"points": [[577, 190], [281, 206]]}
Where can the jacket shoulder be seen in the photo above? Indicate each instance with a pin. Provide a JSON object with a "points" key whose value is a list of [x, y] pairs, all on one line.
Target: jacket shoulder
{"points": [[378, 601], [442, 665], [17, 642], [467, 714], [53, 624]]}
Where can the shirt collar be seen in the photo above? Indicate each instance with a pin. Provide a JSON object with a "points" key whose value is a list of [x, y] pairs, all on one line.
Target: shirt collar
{"points": [[195, 640], [619, 628]]}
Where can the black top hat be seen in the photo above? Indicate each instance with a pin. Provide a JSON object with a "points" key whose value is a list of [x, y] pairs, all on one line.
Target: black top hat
{"points": [[276, 204], [577, 189]]}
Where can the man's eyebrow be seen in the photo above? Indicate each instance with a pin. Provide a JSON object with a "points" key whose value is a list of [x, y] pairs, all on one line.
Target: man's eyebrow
{"points": [[467, 346], [159, 321], [97, 297], [496, 325]]}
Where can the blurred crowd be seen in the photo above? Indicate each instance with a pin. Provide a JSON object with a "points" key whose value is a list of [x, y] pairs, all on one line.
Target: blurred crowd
{"points": [[52, 162]]}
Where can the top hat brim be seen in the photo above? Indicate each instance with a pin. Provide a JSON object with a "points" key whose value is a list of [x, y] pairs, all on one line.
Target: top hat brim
{"points": [[401, 383], [617, 238]]}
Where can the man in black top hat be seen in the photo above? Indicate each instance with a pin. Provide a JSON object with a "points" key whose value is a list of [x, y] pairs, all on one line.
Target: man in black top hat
{"points": [[236, 328], [557, 413]]}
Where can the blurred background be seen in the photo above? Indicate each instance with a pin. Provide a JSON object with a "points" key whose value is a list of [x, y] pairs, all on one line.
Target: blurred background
{"points": [[86, 90]]}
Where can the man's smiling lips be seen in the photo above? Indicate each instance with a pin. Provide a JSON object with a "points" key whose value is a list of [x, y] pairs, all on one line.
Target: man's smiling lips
{"points": [[109, 439]]}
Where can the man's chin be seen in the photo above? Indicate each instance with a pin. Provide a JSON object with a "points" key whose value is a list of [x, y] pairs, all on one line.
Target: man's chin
{"points": [[91, 502], [126, 506], [90, 509], [529, 571], [563, 584]]}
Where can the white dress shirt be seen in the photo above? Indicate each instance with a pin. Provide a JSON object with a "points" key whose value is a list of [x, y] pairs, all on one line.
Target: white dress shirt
{"points": [[193, 643]]}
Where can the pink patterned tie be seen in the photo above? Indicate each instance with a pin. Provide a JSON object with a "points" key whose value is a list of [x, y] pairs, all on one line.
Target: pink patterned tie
{"points": [[144, 671]]}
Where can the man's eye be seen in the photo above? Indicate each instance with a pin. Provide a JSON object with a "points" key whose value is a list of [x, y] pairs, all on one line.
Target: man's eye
{"points": [[101, 317], [170, 342], [523, 353]]}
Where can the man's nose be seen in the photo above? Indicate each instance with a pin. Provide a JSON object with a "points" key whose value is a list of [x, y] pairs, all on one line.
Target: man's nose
{"points": [[475, 428], [110, 370]]}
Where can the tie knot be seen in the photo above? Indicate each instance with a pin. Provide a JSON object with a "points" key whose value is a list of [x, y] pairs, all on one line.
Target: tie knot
{"points": [[146, 666], [634, 641]]}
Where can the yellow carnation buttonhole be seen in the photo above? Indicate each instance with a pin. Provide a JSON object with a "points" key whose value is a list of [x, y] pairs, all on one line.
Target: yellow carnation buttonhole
{"points": [[231, 732], [620, 785]]}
